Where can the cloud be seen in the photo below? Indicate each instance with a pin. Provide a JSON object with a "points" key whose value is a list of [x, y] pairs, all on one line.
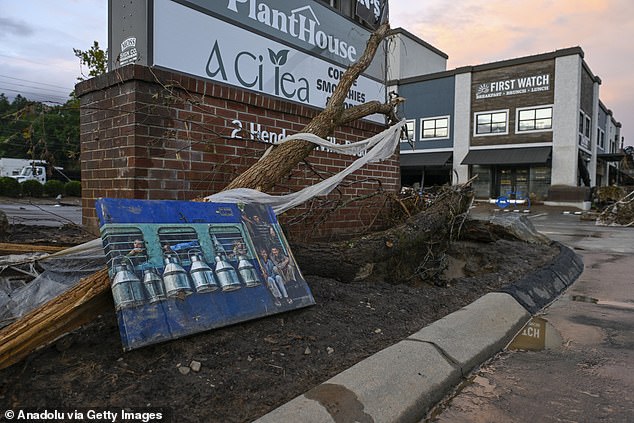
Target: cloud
{"points": [[12, 27]]}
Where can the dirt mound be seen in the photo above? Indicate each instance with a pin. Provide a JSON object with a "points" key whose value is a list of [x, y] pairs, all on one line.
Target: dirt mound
{"points": [[246, 370]]}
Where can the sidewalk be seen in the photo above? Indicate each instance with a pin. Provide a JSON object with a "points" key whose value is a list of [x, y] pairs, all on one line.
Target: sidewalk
{"points": [[587, 375]]}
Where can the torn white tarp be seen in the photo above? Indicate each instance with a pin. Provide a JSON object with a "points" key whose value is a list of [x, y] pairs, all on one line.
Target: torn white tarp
{"points": [[377, 148], [62, 270]]}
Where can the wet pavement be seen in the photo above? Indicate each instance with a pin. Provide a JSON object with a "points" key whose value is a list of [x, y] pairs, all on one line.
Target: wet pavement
{"points": [[575, 361], [42, 213]]}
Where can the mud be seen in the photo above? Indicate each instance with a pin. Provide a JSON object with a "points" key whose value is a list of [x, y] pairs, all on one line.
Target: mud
{"points": [[251, 368]]}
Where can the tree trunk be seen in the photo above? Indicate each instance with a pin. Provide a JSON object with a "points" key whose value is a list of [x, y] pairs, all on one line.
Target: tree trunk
{"points": [[75, 307], [282, 159], [406, 253]]}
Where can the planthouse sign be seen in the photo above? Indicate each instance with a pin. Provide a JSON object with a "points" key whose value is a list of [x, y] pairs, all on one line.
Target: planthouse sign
{"points": [[202, 45], [305, 25]]}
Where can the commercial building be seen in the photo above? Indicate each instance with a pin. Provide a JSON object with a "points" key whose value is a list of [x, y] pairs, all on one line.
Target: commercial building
{"points": [[530, 127]]}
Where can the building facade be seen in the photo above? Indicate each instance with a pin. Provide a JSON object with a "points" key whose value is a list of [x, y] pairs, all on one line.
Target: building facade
{"points": [[531, 127]]}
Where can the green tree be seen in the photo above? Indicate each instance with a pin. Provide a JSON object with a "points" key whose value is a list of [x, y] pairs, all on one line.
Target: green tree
{"points": [[33, 130], [94, 58]]}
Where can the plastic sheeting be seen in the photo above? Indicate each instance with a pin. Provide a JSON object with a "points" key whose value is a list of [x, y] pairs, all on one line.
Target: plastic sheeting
{"points": [[61, 271], [375, 149]]}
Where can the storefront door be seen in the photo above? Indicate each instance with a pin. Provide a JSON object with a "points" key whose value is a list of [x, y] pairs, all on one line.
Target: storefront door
{"points": [[512, 182]]}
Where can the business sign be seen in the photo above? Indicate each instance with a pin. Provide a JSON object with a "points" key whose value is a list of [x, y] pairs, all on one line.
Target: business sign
{"points": [[372, 11], [305, 24], [520, 85], [207, 47], [179, 267]]}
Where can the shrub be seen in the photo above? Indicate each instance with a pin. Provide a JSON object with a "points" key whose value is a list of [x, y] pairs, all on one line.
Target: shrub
{"points": [[53, 188], [72, 189], [10, 187], [32, 188]]}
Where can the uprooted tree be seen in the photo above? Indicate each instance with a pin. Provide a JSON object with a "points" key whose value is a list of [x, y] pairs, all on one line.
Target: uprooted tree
{"points": [[408, 251], [413, 249]]}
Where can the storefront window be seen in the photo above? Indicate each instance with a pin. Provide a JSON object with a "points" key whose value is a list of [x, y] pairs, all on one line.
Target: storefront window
{"points": [[491, 123], [437, 127], [539, 182], [482, 184], [536, 119]]}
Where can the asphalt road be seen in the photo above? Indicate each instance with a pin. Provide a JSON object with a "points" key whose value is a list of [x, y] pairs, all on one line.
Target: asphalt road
{"points": [[45, 214], [586, 371]]}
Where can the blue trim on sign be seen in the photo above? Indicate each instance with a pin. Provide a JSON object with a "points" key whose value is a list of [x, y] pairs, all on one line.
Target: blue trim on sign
{"points": [[117, 210]]}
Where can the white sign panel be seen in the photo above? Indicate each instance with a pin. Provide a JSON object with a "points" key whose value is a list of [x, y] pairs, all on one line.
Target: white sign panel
{"points": [[207, 47]]}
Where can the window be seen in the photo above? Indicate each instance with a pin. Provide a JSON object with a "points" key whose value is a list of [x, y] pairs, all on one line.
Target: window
{"points": [[491, 123], [582, 117], [410, 128], [437, 127], [586, 129], [601, 138], [585, 124], [535, 119]]}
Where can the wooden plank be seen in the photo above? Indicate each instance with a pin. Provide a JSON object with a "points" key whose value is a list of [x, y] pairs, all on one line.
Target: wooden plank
{"points": [[8, 248], [62, 314]]}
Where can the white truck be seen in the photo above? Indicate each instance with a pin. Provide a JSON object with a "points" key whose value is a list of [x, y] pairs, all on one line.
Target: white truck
{"points": [[13, 167], [25, 169]]}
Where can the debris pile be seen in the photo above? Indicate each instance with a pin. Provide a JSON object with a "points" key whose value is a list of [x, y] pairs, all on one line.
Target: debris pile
{"points": [[619, 213]]}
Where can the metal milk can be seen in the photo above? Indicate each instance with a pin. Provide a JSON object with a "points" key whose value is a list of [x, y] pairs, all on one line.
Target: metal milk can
{"points": [[127, 289], [175, 278], [248, 273], [153, 285], [202, 275], [227, 276]]}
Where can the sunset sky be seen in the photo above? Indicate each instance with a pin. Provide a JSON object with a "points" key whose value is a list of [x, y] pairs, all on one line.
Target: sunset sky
{"points": [[37, 38]]}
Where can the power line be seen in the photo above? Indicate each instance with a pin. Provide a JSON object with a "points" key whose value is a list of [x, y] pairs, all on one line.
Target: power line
{"points": [[37, 88], [35, 82], [36, 94]]}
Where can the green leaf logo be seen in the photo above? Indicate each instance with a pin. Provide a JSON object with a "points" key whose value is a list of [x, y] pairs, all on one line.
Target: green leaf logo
{"points": [[278, 58]]}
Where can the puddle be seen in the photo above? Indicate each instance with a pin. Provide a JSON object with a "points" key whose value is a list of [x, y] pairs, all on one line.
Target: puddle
{"points": [[537, 335], [616, 304], [584, 299]]}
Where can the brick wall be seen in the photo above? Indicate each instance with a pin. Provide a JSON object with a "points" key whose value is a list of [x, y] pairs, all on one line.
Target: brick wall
{"points": [[152, 134]]}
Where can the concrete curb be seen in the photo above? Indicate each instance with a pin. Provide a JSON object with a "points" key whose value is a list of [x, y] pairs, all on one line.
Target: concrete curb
{"points": [[401, 382], [540, 288]]}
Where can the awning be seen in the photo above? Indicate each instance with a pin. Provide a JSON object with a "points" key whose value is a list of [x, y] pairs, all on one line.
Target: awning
{"points": [[611, 157], [426, 159], [496, 156]]}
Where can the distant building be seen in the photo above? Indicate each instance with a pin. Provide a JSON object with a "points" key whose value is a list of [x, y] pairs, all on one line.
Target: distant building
{"points": [[532, 126]]}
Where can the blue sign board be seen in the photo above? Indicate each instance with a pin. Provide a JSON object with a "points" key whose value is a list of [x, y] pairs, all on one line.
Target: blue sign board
{"points": [[181, 267]]}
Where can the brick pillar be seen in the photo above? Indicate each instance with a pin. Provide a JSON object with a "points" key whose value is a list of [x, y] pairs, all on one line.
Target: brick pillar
{"points": [[152, 134]]}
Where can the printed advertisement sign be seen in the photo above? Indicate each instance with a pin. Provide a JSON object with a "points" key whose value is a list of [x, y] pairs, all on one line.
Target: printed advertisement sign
{"points": [[210, 48], [179, 267], [305, 24]]}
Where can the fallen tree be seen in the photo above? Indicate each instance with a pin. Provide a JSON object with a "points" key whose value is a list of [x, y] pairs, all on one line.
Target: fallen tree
{"points": [[405, 252]]}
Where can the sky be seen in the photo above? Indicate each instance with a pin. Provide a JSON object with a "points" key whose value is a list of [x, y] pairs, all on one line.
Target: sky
{"points": [[37, 38]]}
